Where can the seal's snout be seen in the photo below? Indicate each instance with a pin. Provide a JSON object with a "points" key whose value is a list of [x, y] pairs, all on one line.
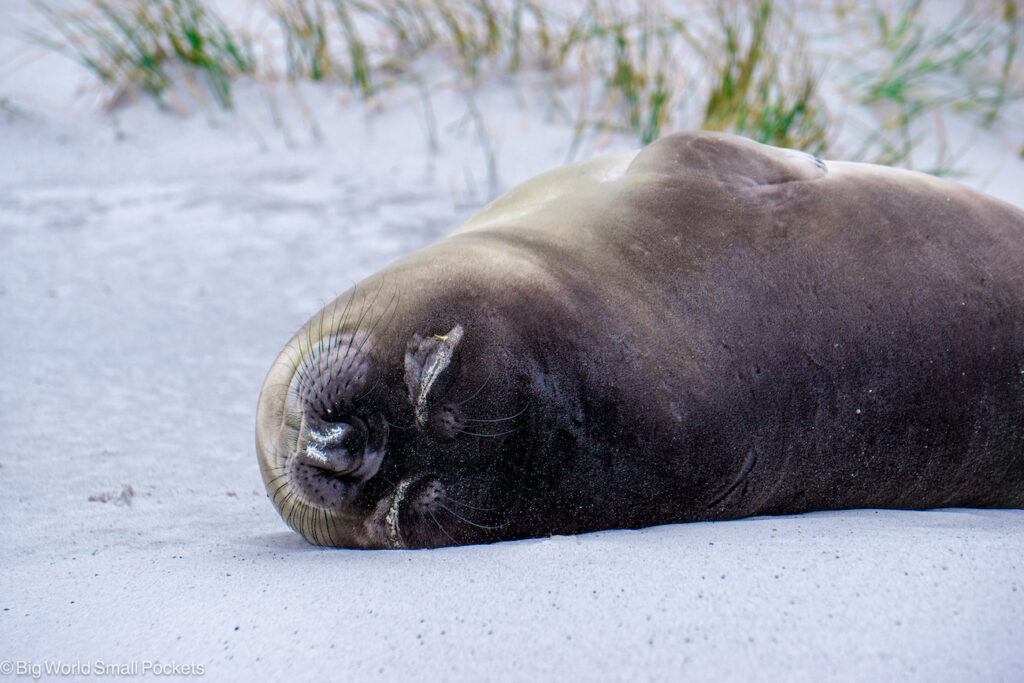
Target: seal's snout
{"points": [[336, 448], [352, 450]]}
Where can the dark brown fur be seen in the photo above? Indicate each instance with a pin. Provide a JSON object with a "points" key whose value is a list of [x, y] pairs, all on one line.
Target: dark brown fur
{"points": [[725, 330]]}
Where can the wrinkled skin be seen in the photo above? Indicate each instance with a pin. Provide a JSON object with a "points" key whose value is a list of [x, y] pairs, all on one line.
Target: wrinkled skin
{"points": [[707, 329]]}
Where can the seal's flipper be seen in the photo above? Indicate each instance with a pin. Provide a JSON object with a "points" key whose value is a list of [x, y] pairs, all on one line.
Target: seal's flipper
{"points": [[731, 160]]}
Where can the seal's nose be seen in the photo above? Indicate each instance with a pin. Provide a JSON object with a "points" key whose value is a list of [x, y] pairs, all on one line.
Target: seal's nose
{"points": [[352, 450], [336, 447]]}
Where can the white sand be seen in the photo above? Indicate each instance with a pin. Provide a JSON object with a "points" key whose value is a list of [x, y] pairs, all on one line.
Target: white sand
{"points": [[151, 267]]}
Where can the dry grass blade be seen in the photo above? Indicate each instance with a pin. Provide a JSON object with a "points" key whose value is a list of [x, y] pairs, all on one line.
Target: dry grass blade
{"points": [[760, 90], [134, 44], [968, 65], [743, 67]]}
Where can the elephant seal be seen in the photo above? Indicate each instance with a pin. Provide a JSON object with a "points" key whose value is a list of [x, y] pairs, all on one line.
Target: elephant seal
{"points": [[706, 329]]}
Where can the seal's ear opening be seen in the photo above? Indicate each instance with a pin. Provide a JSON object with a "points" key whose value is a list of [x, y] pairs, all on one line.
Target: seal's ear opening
{"points": [[425, 359]]}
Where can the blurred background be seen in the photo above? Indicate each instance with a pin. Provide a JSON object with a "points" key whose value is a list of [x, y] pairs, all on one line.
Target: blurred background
{"points": [[903, 82]]}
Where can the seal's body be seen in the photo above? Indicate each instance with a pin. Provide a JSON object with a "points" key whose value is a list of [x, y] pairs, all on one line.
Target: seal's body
{"points": [[706, 329]]}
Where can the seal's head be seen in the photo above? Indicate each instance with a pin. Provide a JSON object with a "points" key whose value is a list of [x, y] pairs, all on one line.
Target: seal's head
{"points": [[440, 400], [369, 442]]}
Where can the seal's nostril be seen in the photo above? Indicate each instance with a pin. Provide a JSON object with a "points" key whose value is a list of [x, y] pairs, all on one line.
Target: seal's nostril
{"points": [[352, 449], [336, 447], [342, 436]]}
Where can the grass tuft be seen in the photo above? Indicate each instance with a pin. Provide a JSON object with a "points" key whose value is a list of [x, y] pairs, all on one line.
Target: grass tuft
{"points": [[136, 45], [966, 66], [759, 91], [745, 66]]}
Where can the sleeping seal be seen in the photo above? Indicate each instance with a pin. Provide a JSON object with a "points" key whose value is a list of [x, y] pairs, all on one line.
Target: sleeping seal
{"points": [[706, 329]]}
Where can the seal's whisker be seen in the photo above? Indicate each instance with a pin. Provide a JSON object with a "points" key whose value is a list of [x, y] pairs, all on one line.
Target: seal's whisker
{"points": [[280, 472], [358, 326], [487, 436], [320, 332], [391, 424], [335, 343], [351, 300], [467, 505], [307, 370], [394, 312], [441, 527], [325, 527], [332, 526], [273, 496], [289, 505], [309, 345], [497, 419], [287, 360], [387, 481], [365, 394], [362, 313], [314, 527], [354, 354], [477, 392], [286, 485], [333, 348], [396, 298], [309, 519], [284, 475], [467, 521], [392, 305]]}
